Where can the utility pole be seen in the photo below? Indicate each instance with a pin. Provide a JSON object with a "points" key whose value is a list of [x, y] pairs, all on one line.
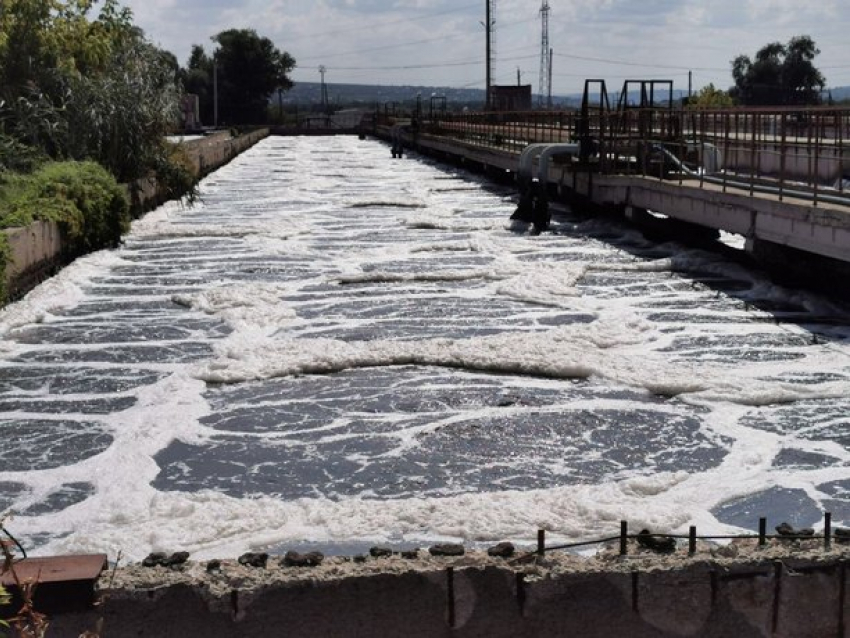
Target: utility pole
{"points": [[545, 86], [215, 89], [324, 98], [488, 30]]}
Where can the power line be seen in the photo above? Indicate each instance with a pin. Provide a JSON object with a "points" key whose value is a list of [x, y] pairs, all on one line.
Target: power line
{"points": [[406, 66], [324, 56], [435, 65], [381, 48], [638, 64], [372, 25]]}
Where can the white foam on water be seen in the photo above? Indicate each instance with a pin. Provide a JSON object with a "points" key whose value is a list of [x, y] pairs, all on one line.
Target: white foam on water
{"points": [[61, 292], [210, 525], [127, 515], [122, 474], [288, 203]]}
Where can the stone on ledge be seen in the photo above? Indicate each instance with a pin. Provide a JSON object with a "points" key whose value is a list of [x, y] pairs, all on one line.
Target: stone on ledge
{"points": [[447, 549]]}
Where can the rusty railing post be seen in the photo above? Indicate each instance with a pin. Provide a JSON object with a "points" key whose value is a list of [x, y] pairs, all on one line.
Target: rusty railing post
{"points": [[783, 149], [816, 162], [753, 141], [827, 530]]}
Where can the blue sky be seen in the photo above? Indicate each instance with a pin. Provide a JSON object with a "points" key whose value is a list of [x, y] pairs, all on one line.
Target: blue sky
{"points": [[441, 42]]}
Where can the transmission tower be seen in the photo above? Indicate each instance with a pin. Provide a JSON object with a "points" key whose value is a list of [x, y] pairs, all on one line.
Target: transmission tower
{"points": [[322, 71], [545, 89]]}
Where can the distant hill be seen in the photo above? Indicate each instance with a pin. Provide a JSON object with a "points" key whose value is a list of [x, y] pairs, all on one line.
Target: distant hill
{"points": [[840, 93], [309, 94]]}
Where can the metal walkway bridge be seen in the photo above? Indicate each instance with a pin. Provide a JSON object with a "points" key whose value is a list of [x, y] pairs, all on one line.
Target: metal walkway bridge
{"points": [[778, 176]]}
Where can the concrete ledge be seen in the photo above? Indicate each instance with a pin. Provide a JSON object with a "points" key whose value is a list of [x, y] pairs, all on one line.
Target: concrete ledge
{"points": [[205, 155], [34, 251], [776, 592]]}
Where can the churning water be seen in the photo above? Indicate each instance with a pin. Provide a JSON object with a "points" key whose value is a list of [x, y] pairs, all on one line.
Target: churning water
{"points": [[337, 347]]}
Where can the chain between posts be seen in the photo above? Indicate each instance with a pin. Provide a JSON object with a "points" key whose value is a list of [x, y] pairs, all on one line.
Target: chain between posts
{"points": [[624, 537]]}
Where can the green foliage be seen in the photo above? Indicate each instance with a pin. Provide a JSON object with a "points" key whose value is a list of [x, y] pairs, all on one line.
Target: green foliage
{"points": [[248, 69], [121, 117], [175, 175], [18, 157], [83, 87], [711, 97], [781, 74], [5, 599], [39, 37], [82, 197]]}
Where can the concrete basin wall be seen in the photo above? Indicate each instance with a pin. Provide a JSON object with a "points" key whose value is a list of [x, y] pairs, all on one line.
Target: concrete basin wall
{"points": [[799, 598], [32, 250], [37, 249]]}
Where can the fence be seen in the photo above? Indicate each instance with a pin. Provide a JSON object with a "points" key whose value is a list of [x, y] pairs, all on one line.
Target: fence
{"points": [[780, 152], [644, 537]]}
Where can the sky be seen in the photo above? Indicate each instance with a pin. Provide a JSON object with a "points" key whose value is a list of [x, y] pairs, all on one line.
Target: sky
{"points": [[442, 42]]}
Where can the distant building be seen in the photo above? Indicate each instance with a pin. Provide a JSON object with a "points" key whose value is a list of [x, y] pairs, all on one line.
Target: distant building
{"points": [[191, 112], [511, 97]]}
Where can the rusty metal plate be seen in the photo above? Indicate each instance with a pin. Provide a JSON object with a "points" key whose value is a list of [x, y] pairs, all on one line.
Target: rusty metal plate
{"points": [[57, 569]]}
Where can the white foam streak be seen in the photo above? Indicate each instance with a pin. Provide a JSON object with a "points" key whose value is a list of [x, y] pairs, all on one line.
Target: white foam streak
{"points": [[244, 306], [565, 353], [544, 284], [223, 526], [600, 349]]}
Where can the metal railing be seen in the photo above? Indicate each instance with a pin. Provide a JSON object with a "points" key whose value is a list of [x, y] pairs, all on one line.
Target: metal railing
{"points": [[783, 152]]}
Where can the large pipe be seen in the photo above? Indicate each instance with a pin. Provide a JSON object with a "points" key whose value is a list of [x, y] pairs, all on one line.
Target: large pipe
{"points": [[526, 161], [551, 151], [533, 203]]}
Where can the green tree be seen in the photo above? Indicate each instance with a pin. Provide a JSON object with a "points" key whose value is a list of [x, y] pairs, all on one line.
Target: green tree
{"points": [[249, 70], [711, 97], [41, 38], [780, 74], [121, 116], [78, 86]]}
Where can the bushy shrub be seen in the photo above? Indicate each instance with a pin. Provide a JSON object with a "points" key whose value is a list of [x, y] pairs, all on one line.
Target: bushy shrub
{"points": [[176, 176], [89, 205]]}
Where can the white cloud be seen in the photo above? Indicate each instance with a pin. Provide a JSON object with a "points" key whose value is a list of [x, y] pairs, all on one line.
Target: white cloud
{"points": [[357, 39]]}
